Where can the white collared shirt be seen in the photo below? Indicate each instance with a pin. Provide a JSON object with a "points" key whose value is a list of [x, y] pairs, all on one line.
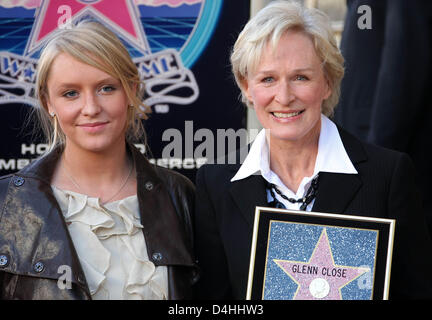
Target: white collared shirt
{"points": [[331, 157]]}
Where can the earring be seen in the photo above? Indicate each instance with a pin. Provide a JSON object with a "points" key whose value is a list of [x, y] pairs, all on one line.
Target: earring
{"points": [[52, 114]]}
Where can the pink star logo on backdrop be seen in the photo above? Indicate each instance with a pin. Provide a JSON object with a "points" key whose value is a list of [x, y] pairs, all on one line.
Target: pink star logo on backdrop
{"points": [[122, 16], [320, 278], [171, 3]]}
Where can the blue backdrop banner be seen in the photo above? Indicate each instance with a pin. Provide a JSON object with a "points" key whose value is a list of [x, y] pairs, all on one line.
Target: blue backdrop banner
{"points": [[181, 48]]}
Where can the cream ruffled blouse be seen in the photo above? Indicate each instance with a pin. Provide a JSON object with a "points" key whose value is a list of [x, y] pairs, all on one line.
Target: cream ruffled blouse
{"points": [[111, 247]]}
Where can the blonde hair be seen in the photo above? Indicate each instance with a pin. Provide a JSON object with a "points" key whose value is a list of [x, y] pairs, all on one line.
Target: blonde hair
{"points": [[93, 44], [268, 26]]}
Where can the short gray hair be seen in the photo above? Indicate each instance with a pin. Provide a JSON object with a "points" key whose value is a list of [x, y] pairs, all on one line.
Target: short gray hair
{"points": [[268, 26]]}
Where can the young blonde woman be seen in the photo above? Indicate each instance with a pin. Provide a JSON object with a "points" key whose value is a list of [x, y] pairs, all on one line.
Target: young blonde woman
{"points": [[93, 219]]}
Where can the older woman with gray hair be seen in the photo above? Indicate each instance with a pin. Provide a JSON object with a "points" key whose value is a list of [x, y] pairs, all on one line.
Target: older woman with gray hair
{"points": [[289, 69]]}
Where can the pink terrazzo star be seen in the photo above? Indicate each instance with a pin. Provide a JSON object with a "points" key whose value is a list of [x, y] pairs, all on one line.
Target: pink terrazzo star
{"points": [[118, 14], [320, 278], [121, 16]]}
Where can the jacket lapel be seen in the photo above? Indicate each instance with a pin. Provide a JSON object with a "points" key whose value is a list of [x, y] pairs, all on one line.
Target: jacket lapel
{"points": [[247, 194], [30, 234], [165, 237], [336, 190]]}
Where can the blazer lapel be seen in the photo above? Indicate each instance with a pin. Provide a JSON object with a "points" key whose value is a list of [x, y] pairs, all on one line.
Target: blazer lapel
{"points": [[164, 234], [336, 190], [249, 193]]}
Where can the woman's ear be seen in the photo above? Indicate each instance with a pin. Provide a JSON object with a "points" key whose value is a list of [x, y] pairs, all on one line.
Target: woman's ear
{"points": [[328, 89], [50, 108], [133, 88], [244, 86]]}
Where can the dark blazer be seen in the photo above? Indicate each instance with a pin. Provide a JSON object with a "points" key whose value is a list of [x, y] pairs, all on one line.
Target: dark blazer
{"points": [[383, 188], [385, 93], [34, 239]]}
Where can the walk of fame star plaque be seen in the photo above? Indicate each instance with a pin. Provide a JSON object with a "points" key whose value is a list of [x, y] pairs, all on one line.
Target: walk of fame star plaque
{"points": [[299, 255]]}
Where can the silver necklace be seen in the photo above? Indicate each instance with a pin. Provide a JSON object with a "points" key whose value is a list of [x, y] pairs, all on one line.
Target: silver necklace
{"points": [[81, 190]]}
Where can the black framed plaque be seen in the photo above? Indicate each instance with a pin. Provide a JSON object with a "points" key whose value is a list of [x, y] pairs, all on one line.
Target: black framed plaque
{"points": [[298, 255]]}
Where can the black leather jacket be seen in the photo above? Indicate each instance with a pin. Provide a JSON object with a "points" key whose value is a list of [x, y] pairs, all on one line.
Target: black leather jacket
{"points": [[35, 242]]}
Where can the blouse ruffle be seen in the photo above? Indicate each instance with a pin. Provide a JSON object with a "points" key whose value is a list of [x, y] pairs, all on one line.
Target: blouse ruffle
{"points": [[111, 247]]}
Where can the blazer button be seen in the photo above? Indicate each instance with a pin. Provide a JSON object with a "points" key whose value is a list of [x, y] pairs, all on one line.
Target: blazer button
{"points": [[18, 181], [38, 267], [195, 276], [157, 256], [3, 261], [149, 185]]}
